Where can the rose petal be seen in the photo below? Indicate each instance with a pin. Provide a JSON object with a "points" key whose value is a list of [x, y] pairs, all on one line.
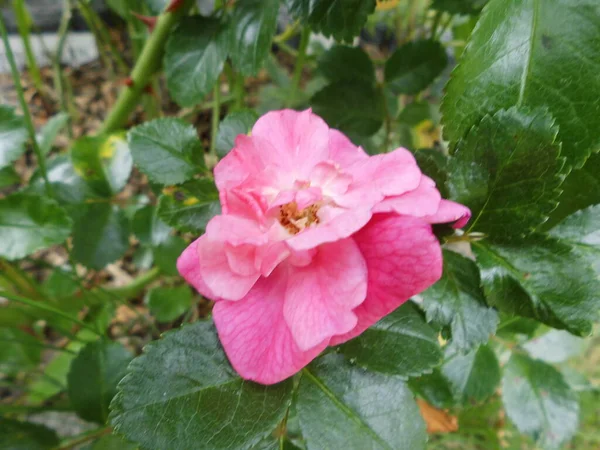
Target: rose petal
{"points": [[451, 212], [423, 201], [188, 266], [256, 337], [403, 259]]}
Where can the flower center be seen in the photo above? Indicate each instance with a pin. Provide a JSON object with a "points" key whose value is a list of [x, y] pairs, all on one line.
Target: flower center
{"points": [[295, 220]]}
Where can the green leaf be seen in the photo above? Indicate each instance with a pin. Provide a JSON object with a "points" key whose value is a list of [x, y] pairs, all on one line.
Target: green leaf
{"points": [[434, 388], [26, 436], [190, 207], [507, 170], [470, 7], [580, 189], [536, 54], [68, 186], [539, 402], [100, 234], [399, 344], [19, 351], [581, 231], [13, 135], [148, 227], [104, 162], [8, 177], [414, 66], [434, 164], [168, 303], [29, 223], [182, 393], [544, 279], [194, 57], [556, 346], [51, 130], [253, 26], [236, 123], [355, 108], [473, 377], [112, 442], [167, 150], [157, 6], [166, 254], [342, 19], [341, 406], [457, 301], [343, 63], [93, 378]]}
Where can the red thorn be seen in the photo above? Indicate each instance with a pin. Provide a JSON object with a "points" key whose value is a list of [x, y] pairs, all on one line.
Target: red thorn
{"points": [[128, 82], [149, 21], [175, 5], [149, 90]]}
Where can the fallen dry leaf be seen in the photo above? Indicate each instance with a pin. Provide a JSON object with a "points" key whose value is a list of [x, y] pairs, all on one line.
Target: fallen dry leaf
{"points": [[437, 420]]}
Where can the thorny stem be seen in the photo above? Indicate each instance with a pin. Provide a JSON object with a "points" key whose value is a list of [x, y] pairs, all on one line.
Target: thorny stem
{"points": [[146, 66], [27, 115], [83, 438], [304, 40]]}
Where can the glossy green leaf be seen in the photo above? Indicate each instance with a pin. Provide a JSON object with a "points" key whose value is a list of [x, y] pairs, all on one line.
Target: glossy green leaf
{"points": [[582, 231], [236, 123], [434, 164], [343, 63], [190, 207], [341, 406], [252, 26], [457, 301], [168, 303], [580, 189], [470, 7], [414, 66], [8, 177], [16, 435], [167, 253], [51, 130], [167, 150], [543, 279], [342, 19], [69, 188], [148, 227], [473, 377], [508, 171], [556, 346], [13, 135], [194, 57], [353, 107], [182, 393], [401, 343], [29, 223], [100, 234], [539, 402], [19, 351], [537, 54], [93, 378], [104, 162], [434, 388]]}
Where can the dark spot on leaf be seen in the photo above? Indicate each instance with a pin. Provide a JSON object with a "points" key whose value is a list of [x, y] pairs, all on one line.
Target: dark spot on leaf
{"points": [[179, 196], [546, 41], [526, 276]]}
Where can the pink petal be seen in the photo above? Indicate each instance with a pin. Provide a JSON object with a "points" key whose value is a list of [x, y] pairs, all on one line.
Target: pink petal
{"points": [[423, 201], [255, 336], [332, 181], [235, 230], [320, 297], [381, 176], [451, 212], [336, 224], [217, 274], [302, 136], [242, 259], [403, 259], [243, 204], [188, 266], [343, 151]]}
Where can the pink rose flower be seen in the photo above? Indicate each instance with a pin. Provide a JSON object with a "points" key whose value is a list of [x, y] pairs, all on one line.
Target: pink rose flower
{"points": [[317, 242]]}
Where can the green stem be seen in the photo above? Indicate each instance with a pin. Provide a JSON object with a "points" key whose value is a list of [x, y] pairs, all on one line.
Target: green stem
{"points": [[27, 115], [436, 24], [387, 121], [304, 40], [146, 66], [59, 78], [216, 118], [39, 345], [20, 280], [137, 286], [83, 438], [23, 19], [50, 309], [288, 33]]}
